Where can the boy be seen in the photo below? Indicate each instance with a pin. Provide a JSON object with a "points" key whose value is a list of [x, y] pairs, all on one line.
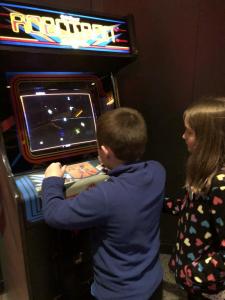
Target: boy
{"points": [[124, 211]]}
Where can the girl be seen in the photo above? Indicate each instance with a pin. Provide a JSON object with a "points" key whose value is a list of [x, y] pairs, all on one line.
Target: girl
{"points": [[198, 260]]}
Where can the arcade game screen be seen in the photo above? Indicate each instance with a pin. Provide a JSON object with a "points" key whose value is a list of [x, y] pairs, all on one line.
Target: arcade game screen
{"points": [[55, 118], [58, 120]]}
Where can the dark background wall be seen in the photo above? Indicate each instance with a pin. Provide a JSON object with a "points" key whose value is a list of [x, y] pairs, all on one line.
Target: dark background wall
{"points": [[181, 47]]}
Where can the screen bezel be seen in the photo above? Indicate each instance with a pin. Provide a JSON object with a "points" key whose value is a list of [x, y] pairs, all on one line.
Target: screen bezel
{"points": [[23, 138]]}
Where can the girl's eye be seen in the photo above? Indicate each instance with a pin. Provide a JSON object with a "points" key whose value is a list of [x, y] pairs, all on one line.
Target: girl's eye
{"points": [[188, 131]]}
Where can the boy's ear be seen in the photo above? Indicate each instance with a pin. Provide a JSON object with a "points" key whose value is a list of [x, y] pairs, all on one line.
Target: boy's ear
{"points": [[106, 151]]}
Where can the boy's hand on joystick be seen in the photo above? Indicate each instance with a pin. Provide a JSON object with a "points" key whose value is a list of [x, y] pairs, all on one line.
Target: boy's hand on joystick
{"points": [[55, 169]]}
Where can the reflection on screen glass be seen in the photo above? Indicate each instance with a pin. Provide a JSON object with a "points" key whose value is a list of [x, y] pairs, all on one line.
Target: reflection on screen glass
{"points": [[58, 120]]}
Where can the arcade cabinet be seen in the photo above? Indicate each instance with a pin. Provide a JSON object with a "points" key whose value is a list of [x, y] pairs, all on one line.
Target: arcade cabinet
{"points": [[57, 77]]}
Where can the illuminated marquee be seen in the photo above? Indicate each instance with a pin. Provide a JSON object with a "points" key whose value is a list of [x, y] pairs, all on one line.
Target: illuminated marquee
{"points": [[70, 30], [37, 27]]}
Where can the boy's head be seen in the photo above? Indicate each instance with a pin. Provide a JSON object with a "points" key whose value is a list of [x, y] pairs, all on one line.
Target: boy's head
{"points": [[123, 131]]}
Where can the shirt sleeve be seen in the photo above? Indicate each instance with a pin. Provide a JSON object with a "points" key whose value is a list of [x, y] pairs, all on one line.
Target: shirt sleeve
{"points": [[174, 206], [208, 272], [87, 209]]}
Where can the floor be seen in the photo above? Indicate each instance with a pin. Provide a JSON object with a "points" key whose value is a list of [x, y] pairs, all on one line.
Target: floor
{"points": [[171, 290]]}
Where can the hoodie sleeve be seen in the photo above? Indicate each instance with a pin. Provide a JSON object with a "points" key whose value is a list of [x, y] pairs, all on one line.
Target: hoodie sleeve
{"points": [[87, 209], [208, 272]]}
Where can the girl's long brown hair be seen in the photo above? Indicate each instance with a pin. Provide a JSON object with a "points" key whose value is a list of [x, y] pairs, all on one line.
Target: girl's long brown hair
{"points": [[207, 118]]}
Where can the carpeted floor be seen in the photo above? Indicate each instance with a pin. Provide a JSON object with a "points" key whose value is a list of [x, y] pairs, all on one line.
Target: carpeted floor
{"points": [[170, 290]]}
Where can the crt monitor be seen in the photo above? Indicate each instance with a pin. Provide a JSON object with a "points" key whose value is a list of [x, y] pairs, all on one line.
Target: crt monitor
{"points": [[56, 115], [58, 120]]}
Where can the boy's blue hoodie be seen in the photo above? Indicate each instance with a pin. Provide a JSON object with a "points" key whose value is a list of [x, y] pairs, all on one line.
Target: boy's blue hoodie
{"points": [[124, 213]]}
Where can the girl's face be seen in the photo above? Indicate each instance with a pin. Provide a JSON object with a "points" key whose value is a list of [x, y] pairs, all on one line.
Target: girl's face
{"points": [[189, 136]]}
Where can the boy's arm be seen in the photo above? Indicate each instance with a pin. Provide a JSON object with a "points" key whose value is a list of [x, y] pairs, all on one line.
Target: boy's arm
{"points": [[209, 270], [84, 210]]}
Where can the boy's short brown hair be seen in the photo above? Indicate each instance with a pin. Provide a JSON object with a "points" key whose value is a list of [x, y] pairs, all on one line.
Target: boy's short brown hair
{"points": [[124, 131]]}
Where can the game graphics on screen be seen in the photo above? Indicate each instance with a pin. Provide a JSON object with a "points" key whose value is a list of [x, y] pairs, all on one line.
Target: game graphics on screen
{"points": [[68, 118]]}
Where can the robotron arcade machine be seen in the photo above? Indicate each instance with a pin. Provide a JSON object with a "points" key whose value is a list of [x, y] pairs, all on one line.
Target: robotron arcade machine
{"points": [[57, 77]]}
